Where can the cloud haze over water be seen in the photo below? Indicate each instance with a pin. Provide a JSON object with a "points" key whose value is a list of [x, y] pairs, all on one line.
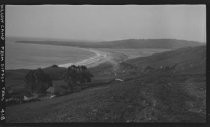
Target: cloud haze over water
{"points": [[107, 22]]}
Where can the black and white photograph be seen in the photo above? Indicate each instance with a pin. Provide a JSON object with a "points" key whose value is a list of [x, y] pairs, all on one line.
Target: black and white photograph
{"points": [[105, 63]]}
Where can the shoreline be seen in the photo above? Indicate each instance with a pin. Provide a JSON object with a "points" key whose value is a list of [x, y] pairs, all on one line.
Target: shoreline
{"points": [[100, 57]]}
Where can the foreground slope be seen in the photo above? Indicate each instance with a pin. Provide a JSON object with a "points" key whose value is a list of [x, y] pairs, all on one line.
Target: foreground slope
{"points": [[153, 96]]}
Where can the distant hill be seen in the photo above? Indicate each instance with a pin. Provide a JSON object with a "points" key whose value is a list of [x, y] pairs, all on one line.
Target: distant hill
{"points": [[122, 44], [151, 43]]}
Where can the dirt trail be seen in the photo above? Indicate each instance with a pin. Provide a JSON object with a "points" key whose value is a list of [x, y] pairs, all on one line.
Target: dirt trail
{"points": [[115, 60]]}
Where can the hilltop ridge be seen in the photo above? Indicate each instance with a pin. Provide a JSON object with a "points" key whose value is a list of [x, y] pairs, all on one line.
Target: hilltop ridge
{"points": [[124, 44]]}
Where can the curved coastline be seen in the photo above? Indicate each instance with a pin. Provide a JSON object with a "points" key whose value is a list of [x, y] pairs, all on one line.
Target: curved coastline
{"points": [[99, 57]]}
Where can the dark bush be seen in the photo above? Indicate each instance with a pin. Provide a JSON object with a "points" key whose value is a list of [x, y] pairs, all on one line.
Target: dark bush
{"points": [[54, 65], [37, 81]]}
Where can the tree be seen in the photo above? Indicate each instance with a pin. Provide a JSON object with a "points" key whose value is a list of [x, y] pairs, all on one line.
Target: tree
{"points": [[54, 66], [68, 77], [77, 75], [30, 80], [37, 81], [86, 75]]}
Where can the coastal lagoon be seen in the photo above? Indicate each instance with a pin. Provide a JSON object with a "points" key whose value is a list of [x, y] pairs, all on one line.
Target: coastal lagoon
{"points": [[32, 56]]}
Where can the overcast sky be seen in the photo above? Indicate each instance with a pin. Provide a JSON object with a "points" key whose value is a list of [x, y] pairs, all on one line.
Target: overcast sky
{"points": [[105, 22]]}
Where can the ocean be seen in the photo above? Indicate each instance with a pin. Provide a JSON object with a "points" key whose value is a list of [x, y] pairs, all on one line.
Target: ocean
{"points": [[32, 56]]}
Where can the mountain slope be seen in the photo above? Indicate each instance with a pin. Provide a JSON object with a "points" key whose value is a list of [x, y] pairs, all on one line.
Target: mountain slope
{"points": [[190, 59]]}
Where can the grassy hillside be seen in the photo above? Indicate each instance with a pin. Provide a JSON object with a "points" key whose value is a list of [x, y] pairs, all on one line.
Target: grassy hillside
{"points": [[130, 101], [188, 60], [153, 96], [129, 43]]}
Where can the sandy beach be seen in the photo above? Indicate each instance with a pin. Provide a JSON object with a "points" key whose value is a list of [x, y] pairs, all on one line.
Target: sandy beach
{"points": [[100, 57], [113, 56]]}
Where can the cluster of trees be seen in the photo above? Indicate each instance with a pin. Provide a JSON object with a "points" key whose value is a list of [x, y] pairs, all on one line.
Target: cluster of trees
{"points": [[77, 75], [37, 81]]}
